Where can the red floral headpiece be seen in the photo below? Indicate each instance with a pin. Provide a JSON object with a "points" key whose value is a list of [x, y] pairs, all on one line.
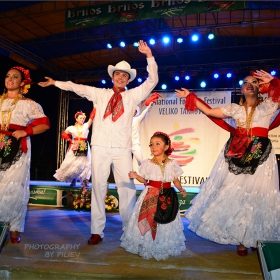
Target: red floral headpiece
{"points": [[169, 151], [27, 80]]}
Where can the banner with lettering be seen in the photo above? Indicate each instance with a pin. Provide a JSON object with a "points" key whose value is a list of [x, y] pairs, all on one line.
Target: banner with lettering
{"points": [[128, 11], [196, 139], [274, 136]]}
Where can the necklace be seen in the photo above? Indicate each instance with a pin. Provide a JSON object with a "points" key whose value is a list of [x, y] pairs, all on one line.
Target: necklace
{"points": [[249, 117], [162, 168], [7, 114], [79, 131]]}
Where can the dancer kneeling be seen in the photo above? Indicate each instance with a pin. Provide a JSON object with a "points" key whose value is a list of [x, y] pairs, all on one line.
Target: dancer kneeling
{"points": [[155, 228]]}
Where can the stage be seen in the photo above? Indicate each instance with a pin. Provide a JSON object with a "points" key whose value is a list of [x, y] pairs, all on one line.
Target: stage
{"points": [[59, 194], [54, 246]]}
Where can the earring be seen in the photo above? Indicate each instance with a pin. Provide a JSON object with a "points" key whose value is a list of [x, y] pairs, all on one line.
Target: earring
{"points": [[241, 101]]}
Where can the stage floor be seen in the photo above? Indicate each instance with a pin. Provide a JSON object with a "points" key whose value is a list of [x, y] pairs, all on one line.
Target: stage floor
{"points": [[54, 246]]}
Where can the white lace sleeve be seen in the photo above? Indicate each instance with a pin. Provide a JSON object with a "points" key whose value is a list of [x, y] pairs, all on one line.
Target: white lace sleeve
{"points": [[230, 110], [177, 169], [71, 129], [34, 110], [268, 107], [144, 170]]}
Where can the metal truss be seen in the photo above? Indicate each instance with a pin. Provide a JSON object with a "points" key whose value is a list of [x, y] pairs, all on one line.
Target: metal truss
{"points": [[30, 57], [62, 124]]}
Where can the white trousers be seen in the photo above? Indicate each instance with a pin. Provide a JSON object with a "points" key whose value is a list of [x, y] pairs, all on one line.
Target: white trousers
{"points": [[137, 153], [121, 161]]}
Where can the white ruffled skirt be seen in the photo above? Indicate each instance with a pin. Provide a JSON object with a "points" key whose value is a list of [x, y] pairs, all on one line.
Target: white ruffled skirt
{"points": [[169, 241], [74, 167], [14, 192], [238, 209]]}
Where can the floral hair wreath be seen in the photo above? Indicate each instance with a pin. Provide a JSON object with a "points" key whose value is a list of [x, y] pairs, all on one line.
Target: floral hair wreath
{"points": [[169, 151], [27, 80], [79, 113]]}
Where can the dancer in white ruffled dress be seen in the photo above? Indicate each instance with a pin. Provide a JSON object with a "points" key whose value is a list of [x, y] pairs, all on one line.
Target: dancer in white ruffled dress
{"points": [[20, 118], [239, 203], [77, 161], [155, 228]]}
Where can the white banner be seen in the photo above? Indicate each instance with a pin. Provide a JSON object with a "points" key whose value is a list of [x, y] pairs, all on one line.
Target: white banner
{"points": [[196, 139], [274, 136]]}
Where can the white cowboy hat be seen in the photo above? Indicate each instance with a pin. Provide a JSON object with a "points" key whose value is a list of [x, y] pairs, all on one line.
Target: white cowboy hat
{"points": [[122, 66]]}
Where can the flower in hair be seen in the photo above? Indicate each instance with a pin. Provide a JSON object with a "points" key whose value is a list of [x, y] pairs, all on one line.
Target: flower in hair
{"points": [[25, 88]]}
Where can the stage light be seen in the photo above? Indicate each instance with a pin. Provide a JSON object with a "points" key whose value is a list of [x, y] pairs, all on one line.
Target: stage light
{"points": [[211, 35], [163, 86], [139, 80], [273, 73], [240, 82], [203, 84], [195, 37], [122, 44], [152, 41], [216, 75], [180, 40], [136, 44], [109, 46], [229, 75], [187, 77], [103, 81], [177, 78], [166, 40]]}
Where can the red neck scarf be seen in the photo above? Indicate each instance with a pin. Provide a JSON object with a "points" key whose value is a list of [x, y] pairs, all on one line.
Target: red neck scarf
{"points": [[115, 105]]}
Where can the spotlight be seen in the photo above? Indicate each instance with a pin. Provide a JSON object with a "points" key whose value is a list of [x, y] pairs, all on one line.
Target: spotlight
{"points": [[152, 41], [187, 77], [122, 44], [216, 75], [211, 35], [163, 86], [195, 37], [229, 75], [177, 78], [110, 44], [203, 84], [180, 40], [135, 44], [240, 82], [103, 81], [166, 40], [139, 80], [273, 72]]}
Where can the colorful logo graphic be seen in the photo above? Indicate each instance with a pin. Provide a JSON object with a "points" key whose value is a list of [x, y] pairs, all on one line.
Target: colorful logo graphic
{"points": [[182, 144]]}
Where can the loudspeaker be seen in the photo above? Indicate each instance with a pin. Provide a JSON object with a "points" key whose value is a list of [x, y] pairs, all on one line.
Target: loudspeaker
{"points": [[269, 252], [3, 230]]}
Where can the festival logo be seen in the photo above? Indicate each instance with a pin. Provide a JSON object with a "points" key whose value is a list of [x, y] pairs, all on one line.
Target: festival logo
{"points": [[183, 145]]}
